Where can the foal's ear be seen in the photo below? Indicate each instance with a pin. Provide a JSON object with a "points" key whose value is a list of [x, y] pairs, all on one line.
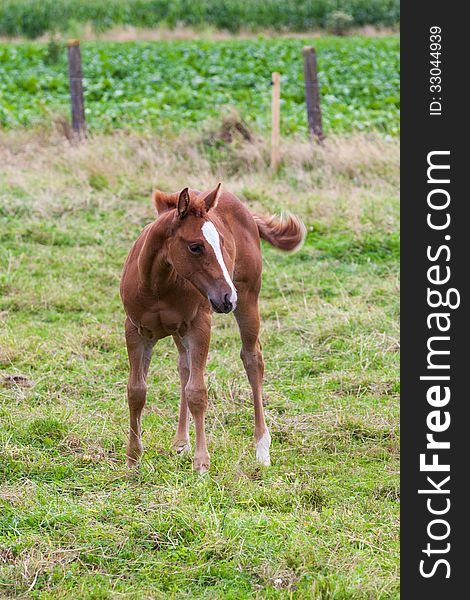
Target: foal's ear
{"points": [[212, 197], [183, 203], [163, 202]]}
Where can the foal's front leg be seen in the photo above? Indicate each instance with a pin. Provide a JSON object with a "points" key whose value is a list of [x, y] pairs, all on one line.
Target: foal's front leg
{"points": [[196, 392], [139, 350]]}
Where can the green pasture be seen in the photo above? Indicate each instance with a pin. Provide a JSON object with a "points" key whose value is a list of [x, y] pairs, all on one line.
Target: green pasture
{"points": [[322, 522]]}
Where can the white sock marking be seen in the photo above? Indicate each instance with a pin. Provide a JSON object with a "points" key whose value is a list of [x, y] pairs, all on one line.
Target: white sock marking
{"points": [[212, 236], [262, 449]]}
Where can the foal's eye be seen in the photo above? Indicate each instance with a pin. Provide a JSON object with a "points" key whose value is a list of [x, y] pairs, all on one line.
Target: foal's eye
{"points": [[196, 248]]}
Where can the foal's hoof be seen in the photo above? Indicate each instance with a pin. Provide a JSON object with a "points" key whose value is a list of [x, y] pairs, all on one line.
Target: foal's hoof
{"points": [[133, 454], [201, 465], [262, 449], [263, 459], [182, 447], [131, 463]]}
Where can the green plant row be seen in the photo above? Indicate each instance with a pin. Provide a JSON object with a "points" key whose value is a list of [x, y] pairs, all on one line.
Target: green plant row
{"points": [[175, 85], [32, 18]]}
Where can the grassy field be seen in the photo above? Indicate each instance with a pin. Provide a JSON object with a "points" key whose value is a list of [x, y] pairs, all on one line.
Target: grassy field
{"points": [[179, 85], [322, 522]]}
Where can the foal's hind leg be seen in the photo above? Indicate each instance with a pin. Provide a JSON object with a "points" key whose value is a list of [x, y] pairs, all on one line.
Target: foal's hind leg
{"points": [[139, 350], [181, 442], [248, 319]]}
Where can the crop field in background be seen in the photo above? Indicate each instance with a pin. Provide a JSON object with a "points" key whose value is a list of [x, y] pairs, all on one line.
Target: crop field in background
{"points": [[322, 522], [33, 17], [179, 85]]}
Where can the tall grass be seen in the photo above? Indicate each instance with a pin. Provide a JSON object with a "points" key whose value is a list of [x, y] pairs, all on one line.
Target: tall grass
{"points": [[32, 18]]}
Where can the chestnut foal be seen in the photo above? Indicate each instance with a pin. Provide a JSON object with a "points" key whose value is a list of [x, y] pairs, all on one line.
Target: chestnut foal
{"points": [[202, 253]]}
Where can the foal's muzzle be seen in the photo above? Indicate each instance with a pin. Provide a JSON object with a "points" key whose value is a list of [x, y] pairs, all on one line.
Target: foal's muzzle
{"points": [[224, 306]]}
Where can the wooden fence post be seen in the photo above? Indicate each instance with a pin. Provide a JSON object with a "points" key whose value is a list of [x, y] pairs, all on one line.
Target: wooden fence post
{"points": [[275, 121], [76, 89], [312, 93]]}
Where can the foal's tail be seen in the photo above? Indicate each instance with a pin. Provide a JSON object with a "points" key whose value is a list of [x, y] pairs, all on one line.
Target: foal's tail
{"points": [[286, 233]]}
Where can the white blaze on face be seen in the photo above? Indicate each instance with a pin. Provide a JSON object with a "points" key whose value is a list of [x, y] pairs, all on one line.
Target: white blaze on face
{"points": [[212, 236]]}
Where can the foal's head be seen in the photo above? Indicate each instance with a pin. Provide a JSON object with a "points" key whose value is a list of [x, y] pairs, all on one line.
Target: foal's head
{"points": [[196, 247]]}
